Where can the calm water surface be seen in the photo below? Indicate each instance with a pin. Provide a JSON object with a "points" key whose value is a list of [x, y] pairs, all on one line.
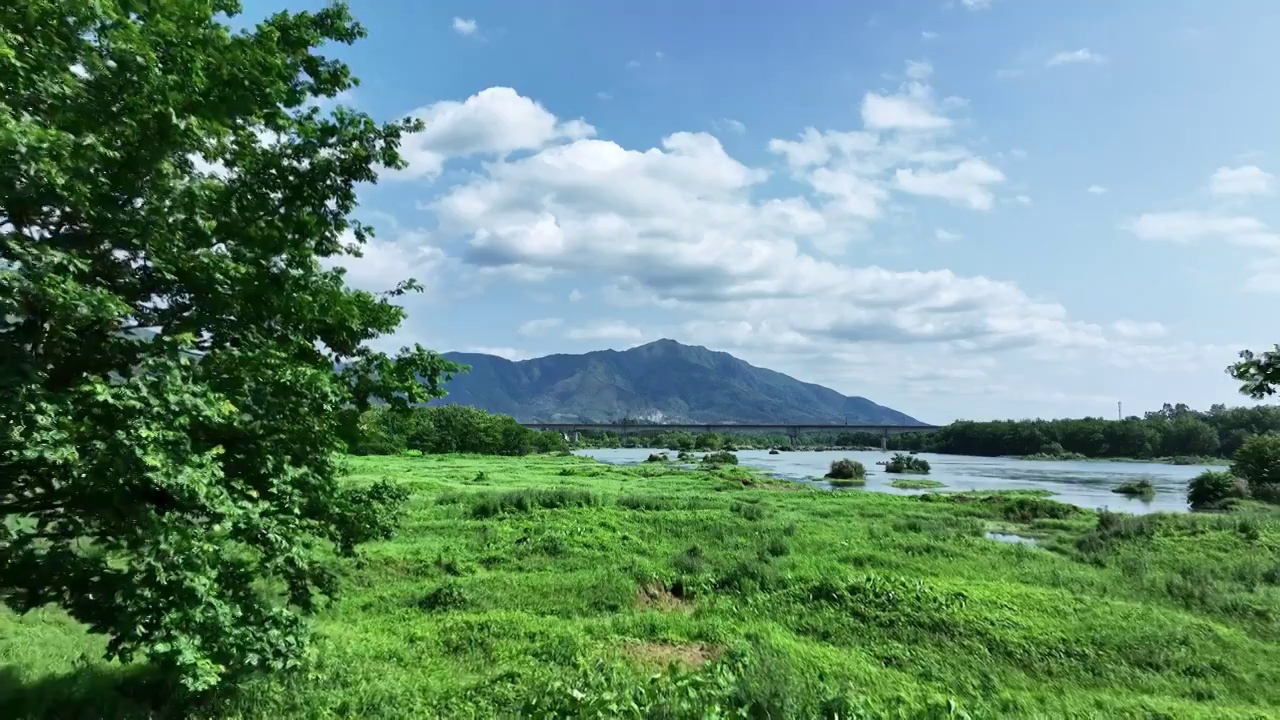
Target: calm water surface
{"points": [[1087, 484]]}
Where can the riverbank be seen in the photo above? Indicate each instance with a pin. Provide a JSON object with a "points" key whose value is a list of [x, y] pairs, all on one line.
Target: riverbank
{"points": [[548, 586]]}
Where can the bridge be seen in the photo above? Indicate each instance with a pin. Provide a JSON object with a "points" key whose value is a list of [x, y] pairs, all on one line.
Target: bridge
{"points": [[792, 430]]}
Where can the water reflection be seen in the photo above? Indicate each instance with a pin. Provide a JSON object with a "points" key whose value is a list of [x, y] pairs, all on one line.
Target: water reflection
{"points": [[1084, 483]]}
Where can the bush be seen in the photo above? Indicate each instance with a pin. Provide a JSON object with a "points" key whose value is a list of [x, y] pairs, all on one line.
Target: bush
{"points": [[490, 504], [846, 469], [1257, 462], [1210, 488], [720, 457], [657, 458], [1142, 488], [444, 597], [903, 463], [647, 502]]}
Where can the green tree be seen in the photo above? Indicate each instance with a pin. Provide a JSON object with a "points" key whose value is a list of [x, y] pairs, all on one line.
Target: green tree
{"points": [[1259, 374], [170, 408], [1258, 463]]}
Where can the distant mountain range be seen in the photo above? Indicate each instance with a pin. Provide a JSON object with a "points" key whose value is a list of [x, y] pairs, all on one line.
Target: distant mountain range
{"points": [[663, 381]]}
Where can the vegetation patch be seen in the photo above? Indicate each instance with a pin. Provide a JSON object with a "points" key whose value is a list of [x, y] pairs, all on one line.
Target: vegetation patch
{"points": [[720, 457], [904, 463], [916, 484], [487, 505], [1142, 488], [846, 472]]}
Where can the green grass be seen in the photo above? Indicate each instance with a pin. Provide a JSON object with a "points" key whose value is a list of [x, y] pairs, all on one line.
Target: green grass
{"points": [[555, 586], [916, 484]]}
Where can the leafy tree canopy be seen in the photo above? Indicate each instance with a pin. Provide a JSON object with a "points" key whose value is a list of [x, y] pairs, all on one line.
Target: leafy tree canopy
{"points": [[171, 205]]}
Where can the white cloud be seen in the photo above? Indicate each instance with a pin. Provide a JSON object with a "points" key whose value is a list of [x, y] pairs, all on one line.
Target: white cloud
{"points": [[905, 111], [729, 125], [575, 295], [659, 54], [386, 263], [1022, 199], [1245, 180], [928, 34], [946, 235], [632, 64], [975, 5], [509, 353], [604, 95], [464, 26], [605, 330], [495, 121], [539, 327], [1192, 226], [1138, 330], [1097, 190], [967, 183], [1075, 57]]}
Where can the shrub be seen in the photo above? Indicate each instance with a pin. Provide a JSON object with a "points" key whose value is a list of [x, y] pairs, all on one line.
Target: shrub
{"points": [[1142, 488], [1257, 462], [657, 458], [903, 463], [720, 457], [490, 504], [647, 502], [750, 511], [445, 597], [846, 469], [1210, 488]]}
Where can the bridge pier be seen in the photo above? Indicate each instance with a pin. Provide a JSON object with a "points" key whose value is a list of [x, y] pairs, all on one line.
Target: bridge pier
{"points": [[884, 440]]}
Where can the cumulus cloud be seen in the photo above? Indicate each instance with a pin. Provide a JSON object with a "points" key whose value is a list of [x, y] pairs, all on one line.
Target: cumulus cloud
{"points": [[1097, 190], [967, 183], [1242, 181], [575, 295], [495, 121], [686, 227], [463, 26], [383, 264], [1083, 56]]}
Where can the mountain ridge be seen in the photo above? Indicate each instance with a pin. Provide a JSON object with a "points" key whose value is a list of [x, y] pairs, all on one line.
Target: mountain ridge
{"points": [[663, 381]]}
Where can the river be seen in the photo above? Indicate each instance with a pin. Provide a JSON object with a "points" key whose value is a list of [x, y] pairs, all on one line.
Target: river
{"points": [[1086, 483]]}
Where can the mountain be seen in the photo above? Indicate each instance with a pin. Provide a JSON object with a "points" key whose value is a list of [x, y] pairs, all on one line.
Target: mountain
{"points": [[662, 381]]}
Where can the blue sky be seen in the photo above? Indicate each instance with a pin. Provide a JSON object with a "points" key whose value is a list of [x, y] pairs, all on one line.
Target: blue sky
{"points": [[958, 208]]}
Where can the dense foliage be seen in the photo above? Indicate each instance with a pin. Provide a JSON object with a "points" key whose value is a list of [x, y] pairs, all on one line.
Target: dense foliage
{"points": [[904, 463], [446, 429], [846, 469], [169, 203], [1174, 430]]}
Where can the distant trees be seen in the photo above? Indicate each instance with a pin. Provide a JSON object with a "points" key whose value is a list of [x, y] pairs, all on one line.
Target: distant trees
{"points": [[446, 429], [904, 463], [1174, 430]]}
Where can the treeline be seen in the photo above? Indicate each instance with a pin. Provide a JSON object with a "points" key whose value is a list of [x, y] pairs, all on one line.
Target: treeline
{"points": [[1172, 431], [383, 430]]}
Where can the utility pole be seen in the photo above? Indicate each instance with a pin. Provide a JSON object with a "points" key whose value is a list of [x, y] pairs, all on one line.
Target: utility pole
{"points": [[1119, 411]]}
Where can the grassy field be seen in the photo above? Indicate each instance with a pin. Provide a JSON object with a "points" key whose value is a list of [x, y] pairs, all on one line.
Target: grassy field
{"points": [[556, 586]]}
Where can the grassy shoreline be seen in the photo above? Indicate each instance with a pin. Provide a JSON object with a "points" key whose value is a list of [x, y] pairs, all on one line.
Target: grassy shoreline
{"points": [[546, 586]]}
